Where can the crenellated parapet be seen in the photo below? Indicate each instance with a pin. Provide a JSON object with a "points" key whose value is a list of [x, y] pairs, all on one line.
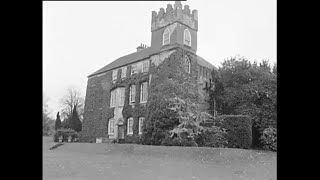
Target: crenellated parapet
{"points": [[174, 14]]}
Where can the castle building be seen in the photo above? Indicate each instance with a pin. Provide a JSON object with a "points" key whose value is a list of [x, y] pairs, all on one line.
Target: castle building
{"points": [[117, 93]]}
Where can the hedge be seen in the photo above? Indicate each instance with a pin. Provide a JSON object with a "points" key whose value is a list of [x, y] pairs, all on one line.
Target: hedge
{"points": [[238, 128], [65, 133]]}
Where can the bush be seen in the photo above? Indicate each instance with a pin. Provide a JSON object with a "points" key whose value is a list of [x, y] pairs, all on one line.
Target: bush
{"points": [[65, 133], [269, 139], [167, 141], [188, 142], [239, 130], [212, 137], [176, 142]]}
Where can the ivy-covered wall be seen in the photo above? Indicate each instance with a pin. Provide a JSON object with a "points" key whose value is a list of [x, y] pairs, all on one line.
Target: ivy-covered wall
{"points": [[97, 111]]}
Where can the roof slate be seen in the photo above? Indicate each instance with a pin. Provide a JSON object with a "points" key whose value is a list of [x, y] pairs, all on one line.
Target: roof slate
{"points": [[139, 55]]}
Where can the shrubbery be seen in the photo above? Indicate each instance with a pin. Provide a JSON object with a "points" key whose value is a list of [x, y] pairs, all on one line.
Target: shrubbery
{"points": [[269, 139], [65, 133], [212, 137], [177, 141], [238, 129]]}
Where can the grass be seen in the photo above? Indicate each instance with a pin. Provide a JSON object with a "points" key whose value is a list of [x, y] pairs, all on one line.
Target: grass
{"points": [[131, 161]]}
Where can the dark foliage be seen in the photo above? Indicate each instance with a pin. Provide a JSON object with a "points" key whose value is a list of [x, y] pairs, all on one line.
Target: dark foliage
{"points": [[239, 130], [58, 124], [75, 122], [246, 88], [169, 81], [211, 137]]}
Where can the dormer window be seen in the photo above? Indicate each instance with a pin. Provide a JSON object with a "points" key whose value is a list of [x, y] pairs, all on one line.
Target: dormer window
{"points": [[187, 64], [187, 37], [166, 37]]}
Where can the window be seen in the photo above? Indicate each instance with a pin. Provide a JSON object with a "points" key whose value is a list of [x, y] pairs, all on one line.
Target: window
{"points": [[111, 127], [166, 37], [134, 69], [145, 66], [141, 121], [121, 96], [123, 72], [130, 126], [113, 98], [132, 96], [114, 74], [143, 92], [187, 64], [187, 37]]}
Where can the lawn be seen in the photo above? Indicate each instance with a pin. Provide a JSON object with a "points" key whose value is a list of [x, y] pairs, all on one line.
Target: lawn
{"points": [[131, 161]]}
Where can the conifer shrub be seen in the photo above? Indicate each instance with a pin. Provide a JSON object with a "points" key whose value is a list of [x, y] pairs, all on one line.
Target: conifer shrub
{"points": [[238, 130], [65, 133]]}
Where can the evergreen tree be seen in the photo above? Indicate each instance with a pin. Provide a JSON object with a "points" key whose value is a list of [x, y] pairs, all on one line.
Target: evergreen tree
{"points": [[58, 122], [75, 122]]}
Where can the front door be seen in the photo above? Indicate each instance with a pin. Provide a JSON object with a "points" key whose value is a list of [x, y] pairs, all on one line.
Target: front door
{"points": [[120, 132]]}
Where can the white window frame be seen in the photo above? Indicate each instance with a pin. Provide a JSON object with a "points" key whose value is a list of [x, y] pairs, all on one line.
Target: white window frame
{"points": [[186, 34], [114, 74], [143, 92], [123, 72], [145, 66], [187, 64], [166, 40], [130, 129], [141, 121], [113, 98], [111, 127], [134, 69], [121, 92], [132, 94]]}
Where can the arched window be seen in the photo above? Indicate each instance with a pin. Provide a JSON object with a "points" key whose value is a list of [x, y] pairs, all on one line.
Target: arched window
{"points": [[187, 37], [187, 64], [130, 126], [166, 37]]}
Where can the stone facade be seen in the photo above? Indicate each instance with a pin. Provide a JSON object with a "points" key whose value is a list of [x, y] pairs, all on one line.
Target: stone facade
{"points": [[98, 110]]}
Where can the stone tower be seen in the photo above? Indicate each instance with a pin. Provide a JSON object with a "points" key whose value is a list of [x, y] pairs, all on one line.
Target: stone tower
{"points": [[177, 20]]}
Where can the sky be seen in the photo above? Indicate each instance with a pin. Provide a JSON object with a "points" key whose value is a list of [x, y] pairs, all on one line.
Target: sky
{"points": [[80, 37]]}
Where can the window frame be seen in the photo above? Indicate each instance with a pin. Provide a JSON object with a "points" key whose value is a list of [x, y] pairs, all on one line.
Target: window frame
{"points": [[143, 92], [113, 98], [123, 72], [121, 91], [128, 126], [187, 65], [109, 127], [166, 31], [141, 122], [186, 33], [114, 74], [136, 69], [145, 66], [132, 96]]}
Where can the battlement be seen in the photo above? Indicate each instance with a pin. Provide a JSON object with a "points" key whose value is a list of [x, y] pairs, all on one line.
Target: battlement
{"points": [[174, 14]]}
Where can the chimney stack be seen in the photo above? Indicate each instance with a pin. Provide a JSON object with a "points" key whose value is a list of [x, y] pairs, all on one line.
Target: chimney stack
{"points": [[141, 47]]}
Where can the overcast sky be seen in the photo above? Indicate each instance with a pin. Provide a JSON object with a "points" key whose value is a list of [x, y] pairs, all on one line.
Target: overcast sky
{"points": [[82, 37]]}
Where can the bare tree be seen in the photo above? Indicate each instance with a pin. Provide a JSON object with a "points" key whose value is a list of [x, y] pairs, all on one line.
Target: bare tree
{"points": [[71, 99]]}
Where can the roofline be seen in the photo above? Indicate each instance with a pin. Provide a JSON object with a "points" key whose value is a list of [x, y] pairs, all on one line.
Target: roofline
{"points": [[175, 46]]}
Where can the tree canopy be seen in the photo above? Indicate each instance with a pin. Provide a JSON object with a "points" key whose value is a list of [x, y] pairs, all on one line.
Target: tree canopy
{"points": [[246, 88]]}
